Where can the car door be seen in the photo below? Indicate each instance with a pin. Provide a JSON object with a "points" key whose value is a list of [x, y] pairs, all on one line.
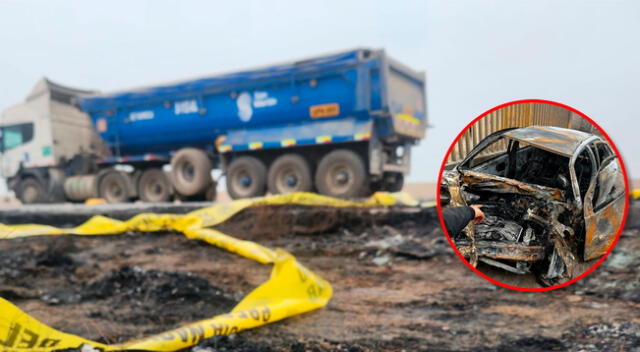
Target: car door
{"points": [[604, 203]]}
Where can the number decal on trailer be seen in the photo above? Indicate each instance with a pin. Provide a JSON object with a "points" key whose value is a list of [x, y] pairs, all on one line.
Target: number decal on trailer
{"points": [[324, 110], [185, 107]]}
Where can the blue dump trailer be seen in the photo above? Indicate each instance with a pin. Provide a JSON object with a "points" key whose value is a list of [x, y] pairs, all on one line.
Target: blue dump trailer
{"points": [[341, 124]]}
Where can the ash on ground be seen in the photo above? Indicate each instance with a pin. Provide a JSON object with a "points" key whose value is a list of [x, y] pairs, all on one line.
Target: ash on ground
{"points": [[397, 286]]}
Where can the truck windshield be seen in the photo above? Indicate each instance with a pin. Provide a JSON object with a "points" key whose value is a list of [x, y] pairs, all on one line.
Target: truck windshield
{"points": [[15, 135]]}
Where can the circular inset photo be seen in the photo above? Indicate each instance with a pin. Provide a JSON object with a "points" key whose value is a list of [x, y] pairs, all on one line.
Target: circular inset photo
{"points": [[533, 195]]}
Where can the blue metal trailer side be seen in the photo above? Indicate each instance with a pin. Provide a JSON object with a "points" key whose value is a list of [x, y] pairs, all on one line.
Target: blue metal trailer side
{"points": [[361, 102]]}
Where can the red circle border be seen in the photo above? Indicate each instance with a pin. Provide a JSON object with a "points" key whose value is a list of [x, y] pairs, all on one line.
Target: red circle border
{"points": [[539, 289]]}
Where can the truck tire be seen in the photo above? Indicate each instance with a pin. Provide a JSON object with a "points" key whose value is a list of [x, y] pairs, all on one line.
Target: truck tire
{"points": [[154, 186], [246, 177], [30, 191], [113, 187], [289, 173], [342, 174], [397, 185], [191, 171]]}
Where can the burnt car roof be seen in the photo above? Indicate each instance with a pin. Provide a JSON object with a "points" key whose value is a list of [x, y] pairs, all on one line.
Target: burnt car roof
{"points": [[554, 139]]}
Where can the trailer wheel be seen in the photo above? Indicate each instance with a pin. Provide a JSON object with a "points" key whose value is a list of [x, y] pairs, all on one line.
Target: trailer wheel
{"points": [[190, 171], [342, 174], [246, 177], [30, 191], [290, 173], [154, 186], [113, 187], [397, 184]]}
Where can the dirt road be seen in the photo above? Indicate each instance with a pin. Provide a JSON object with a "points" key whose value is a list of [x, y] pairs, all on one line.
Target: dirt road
{"points": [[397, 286]]}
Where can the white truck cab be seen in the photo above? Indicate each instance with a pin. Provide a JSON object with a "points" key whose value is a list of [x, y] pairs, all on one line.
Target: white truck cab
{"points": [[40, 136]]}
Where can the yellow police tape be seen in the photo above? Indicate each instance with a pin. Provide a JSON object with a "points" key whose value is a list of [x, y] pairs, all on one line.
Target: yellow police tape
{"points": [[292, 289]]}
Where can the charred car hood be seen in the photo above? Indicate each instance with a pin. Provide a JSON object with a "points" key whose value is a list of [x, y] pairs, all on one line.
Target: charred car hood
{"points": [[484, 182]]}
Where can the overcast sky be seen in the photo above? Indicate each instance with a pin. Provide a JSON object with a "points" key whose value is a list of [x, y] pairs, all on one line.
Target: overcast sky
{"points": [[477, 54]]}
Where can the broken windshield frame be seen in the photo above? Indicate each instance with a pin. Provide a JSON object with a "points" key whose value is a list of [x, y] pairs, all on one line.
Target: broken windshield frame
{"points": [[508, 151]]}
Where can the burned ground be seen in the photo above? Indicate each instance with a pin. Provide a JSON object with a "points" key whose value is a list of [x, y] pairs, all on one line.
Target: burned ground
{"points": [[397, 285]]}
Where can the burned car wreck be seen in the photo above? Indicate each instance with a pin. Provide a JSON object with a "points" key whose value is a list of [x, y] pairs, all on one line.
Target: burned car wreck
{"points": [[552, 197]]}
